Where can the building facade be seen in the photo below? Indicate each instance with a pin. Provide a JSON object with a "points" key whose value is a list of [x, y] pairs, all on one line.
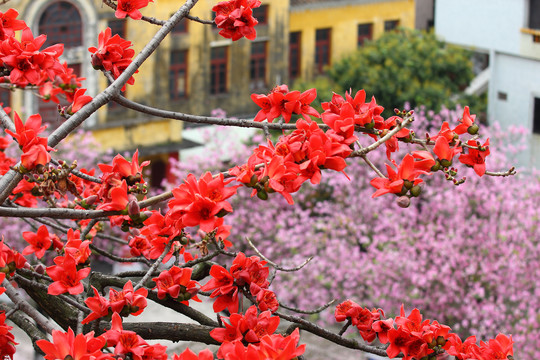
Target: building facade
{"points": [[195, 70], [508, 33]]}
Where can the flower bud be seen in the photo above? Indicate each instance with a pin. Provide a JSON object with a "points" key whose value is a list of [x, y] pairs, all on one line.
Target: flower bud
{"points": [[133, 208], [254, 179], [40, 269], [403, 201], [91, 200], [473, 129], [408, 184], [416, 190], [441, 341], [446, 163], [263, 195]]}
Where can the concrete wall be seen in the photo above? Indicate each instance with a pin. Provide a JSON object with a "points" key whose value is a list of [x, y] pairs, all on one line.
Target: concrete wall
{"points": [[482, 24], [519, 78]]}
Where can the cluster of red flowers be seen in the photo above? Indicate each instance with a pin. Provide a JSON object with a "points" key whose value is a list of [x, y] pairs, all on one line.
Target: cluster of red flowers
{"points": [[246, 273], [10, 260], [119, 180], [282, 102], [125, 302], [69, 85], [7, 340], [130, 8], [113, 54], [24, 61], [126, 344], [235, 18], [447, 146], [201, 202], [34, 147], [69, 269], [176, 282], [40, 241], [294, 159], [257, 331], [5, 161], [417, 338]]}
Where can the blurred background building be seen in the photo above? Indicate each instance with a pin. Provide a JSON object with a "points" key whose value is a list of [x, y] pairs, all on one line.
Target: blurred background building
{"points": [[196, 70]]}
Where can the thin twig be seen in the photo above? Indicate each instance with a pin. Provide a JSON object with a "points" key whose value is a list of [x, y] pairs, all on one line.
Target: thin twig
{"points": [[369, 163], [88, 228], [118, 258], [273, 264], [309, 312], [345, 327], [382, 140], [65, 298], [154, 265], [510, 172], [199, 20]]}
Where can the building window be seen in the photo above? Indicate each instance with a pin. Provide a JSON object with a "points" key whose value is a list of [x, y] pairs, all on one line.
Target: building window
{"points": [[181, 27], [257, 65], [178, 74], [536, 116], [365, 32], [118, 27], [62, 23], [390, 25], [218, 70], [294, 54], [261, 14], [322, 49], [534, 14]]}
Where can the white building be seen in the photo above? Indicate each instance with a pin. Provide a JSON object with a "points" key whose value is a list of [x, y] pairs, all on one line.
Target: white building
{"points": [[508, 31]]}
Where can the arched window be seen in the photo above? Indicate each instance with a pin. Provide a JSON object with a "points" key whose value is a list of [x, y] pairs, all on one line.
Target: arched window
{"points": [[62, 23]]}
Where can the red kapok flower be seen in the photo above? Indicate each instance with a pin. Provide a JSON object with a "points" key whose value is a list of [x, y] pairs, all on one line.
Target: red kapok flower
{"points": [[476, 157], [39, 242], [68, 346], [7, 340], [467, 123], [130, 8], [79, 100], [66, 277], [235, 18], [190, 355], [176, 282]]}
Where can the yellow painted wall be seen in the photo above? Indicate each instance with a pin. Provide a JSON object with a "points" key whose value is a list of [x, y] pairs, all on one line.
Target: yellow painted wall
{"points": [[344, 21]]}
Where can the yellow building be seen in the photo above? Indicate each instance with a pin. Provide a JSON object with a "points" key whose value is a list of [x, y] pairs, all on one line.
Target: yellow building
{"points": [[196, 70], [322, 31]]}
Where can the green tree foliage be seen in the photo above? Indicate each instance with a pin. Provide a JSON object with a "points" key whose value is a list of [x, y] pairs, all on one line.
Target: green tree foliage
{"points": [[406, 66]]}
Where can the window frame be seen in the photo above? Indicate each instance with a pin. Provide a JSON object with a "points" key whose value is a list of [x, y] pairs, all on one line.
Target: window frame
{"points": [[391, 25], [322, 57], [54, 29], [362, 37], [258, 65], [295, 55], [218, 78], [536, 115], [263, 8], [175, 71]]}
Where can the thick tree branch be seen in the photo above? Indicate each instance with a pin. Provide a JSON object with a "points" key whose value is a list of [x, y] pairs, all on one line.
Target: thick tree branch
{"points": [[28, 309]]}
